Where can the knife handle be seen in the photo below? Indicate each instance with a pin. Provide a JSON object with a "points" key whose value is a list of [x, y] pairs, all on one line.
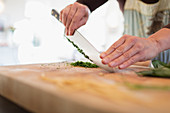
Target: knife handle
{"points": [[55, 14]]}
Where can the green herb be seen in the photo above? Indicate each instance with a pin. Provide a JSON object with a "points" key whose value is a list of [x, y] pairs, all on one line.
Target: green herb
{"points": [[161, 70], [142, 87], [84, 64], [159, 64], [80, 50]]}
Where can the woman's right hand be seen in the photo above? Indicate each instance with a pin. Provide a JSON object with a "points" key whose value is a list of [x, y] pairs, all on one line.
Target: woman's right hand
{"points": [[74, 16]]}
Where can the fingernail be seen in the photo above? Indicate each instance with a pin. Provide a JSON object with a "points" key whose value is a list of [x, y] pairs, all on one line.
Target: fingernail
{"points": [[102, 55], [67, 32], [104, 61], [121, 66]]}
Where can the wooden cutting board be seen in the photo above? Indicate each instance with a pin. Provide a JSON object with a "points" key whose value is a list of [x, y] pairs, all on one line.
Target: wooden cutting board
{"points": [[61, 88]]}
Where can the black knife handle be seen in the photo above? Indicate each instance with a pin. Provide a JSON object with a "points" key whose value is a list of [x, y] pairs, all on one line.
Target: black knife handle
{"points": [[55, 14]]}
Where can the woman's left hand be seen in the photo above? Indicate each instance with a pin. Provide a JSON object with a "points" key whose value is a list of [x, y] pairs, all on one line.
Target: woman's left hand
{"points": [[129, 50]]}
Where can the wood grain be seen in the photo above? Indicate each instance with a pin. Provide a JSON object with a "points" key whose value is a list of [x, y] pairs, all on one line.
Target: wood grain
{"points": [[25, 86]]}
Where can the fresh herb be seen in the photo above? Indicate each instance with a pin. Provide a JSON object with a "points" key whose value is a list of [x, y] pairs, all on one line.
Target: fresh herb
{"points": [[161, 70], [80, 50], [84, 64], [159, 64], [158, 72]]}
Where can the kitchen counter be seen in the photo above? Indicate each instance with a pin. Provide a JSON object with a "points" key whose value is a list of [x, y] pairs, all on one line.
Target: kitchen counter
{"points": [[62, 88]]}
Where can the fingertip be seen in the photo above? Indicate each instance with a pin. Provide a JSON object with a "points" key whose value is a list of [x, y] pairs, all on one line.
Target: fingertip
{"points": [[103, 62], [102, 55], [71, 32], [119, 67], [110, 65], [122, 66]]}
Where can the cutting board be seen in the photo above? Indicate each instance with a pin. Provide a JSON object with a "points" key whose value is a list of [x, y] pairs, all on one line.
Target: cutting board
{"points": [[61, 88]]}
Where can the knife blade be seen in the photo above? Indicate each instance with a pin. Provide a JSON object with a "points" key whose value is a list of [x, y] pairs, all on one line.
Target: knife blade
{"points": [[79, 40]]}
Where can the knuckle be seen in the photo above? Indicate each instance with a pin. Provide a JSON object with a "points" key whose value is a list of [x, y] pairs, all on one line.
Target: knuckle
{"points": [[64, 13], [126, 55], [139, 46], [119, 50], [132, 60], [70, 5], [83, 8], [125, 36], [70, 16], [132, 40], [61, 11], [76, 3], [74, 22], [108, 59]]}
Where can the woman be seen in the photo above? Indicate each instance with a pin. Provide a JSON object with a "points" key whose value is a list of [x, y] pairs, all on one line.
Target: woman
{"points": [[143, 18]]}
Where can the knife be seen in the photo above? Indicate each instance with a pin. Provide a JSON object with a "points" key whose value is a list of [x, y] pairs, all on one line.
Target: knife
{"points": [[87, 48]]}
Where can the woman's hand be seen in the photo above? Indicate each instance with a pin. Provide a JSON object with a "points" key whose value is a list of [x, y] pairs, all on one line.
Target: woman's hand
{"points": [[74, 16], [129, 50]]}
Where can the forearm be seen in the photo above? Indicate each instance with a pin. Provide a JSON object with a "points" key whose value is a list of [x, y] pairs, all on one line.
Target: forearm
{"points": [[121, 4], [162, 38], [92, 4]]}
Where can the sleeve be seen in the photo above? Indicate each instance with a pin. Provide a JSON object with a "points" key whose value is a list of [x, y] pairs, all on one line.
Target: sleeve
{"points": [[167, 26], [92, 4]]}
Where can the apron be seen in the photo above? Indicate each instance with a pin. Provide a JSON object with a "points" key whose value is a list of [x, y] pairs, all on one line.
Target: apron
{"points": [[143, 19]]}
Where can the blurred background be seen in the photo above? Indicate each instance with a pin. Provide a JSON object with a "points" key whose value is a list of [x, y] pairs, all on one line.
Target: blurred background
{"points": [[29, 34]]}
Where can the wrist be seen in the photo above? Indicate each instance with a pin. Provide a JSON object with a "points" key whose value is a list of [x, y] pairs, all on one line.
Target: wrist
{"points": [[155, 44], [162, 39]]}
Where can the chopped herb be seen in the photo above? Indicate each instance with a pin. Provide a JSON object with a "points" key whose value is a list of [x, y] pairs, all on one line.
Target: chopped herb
{"points": [[80, 50], [84, 64]]}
